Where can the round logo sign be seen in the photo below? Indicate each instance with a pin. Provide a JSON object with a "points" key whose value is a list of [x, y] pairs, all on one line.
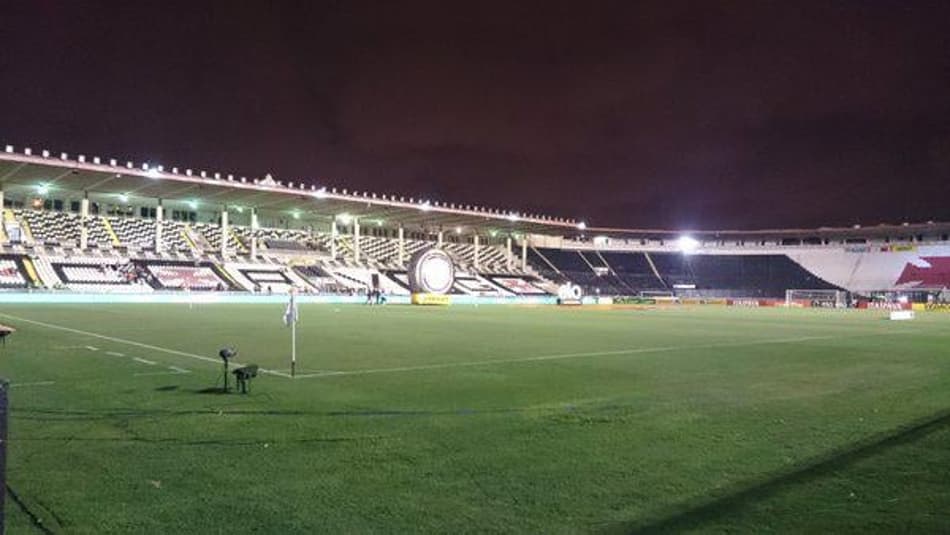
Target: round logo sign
{"points": [[431, 271]]}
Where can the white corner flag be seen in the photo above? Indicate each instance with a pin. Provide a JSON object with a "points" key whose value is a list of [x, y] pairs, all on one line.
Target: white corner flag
{"points": [[291, 315]]}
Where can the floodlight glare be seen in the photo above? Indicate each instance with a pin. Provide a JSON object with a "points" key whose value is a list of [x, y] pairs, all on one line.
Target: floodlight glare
{"points": [[426, 206], [687, 244], [582, 225], [320, 193], [152, 173], [123, 198], [193, 205], [42, 189], [512, 217], [344, 218], [296, 214]]}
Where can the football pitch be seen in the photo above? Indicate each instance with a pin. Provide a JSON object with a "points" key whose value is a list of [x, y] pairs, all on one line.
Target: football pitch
{"points": [[476, 419]]}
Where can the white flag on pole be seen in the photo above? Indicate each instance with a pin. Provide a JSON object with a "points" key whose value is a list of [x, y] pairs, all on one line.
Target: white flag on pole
{"points": [[291, 314]]}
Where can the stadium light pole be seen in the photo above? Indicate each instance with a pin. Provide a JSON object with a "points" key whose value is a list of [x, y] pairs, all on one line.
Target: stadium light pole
{"points": [[224, 231], [402, 245], [159, 218], [475, 260], [356, 240], [254, 226], [84, 221], [334, 232]]}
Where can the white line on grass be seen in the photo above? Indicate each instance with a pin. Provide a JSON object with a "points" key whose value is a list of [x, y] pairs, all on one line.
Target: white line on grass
{"points": [[143, 361], [37, 383], [560, 356], [115, 353], [133, 343], [175, 370]]}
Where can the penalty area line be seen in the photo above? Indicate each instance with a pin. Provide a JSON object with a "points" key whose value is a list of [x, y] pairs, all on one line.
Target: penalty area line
{"points": [[132, 343]]}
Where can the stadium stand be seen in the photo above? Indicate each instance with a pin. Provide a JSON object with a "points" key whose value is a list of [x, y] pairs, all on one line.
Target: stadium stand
{"points": [[41, 242]]}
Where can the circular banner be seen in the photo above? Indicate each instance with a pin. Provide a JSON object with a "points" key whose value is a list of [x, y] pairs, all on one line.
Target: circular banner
{"points": [[431, 271]]}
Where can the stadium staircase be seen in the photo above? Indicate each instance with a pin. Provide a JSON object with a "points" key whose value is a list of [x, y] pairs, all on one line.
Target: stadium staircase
{"points": [[655, 271]]}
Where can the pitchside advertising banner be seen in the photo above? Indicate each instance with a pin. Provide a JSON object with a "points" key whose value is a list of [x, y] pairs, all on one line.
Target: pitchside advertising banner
{"points": [[882, 305], [932, 307]]}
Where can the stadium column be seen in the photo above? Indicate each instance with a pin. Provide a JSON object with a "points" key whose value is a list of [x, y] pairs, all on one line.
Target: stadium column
{"points": [[524, 252], [402, 245], [508, 255], [477, 253], [356, 240], [254, 225], [84, 221], [159, 222], [224, 231], [333, 234], [440, 237]]}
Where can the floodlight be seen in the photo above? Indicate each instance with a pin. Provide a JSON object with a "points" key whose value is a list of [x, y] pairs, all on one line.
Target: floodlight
{"points": [[512, 217], [193, 205], [458, 230], [320, 193], [426, 206], [123, 198], [582, 226], [226, 354], [152, 173], [42, 189], [344, 218], [296, 214], [687, 244]]}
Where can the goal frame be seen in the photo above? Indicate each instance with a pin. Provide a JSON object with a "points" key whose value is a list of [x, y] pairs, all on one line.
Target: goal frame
{"points": [[797, 296]]}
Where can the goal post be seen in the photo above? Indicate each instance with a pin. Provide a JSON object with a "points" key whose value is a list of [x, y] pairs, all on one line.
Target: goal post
{"points": [[816, 298]]}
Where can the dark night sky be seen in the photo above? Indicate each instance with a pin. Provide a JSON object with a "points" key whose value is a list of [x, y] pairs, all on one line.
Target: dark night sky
{"points": [[678, 115]]}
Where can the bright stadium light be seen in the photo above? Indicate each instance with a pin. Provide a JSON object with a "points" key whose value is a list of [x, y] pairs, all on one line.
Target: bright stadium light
{"points": [[344, 218], [320, 193], [458, 230], [426, 206], [193, 204], [582, 226], [512, 217], [687, 244], [152, 172], [42, 189], [123, 198], [240, 209], [296, 214]]}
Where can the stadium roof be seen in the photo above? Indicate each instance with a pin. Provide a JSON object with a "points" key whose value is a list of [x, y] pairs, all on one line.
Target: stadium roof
{"points": [[27, 169], [96, 175]]}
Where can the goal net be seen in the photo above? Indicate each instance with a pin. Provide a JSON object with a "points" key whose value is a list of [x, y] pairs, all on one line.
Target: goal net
{"points": [[817, 298]]}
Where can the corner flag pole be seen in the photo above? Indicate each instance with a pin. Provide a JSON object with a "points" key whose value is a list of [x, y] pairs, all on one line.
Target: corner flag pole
{"points": [[290, 318], [293, 343]]}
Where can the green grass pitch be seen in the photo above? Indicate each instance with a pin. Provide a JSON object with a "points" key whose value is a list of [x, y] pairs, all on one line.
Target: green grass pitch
{"points": [[477, 419]]}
